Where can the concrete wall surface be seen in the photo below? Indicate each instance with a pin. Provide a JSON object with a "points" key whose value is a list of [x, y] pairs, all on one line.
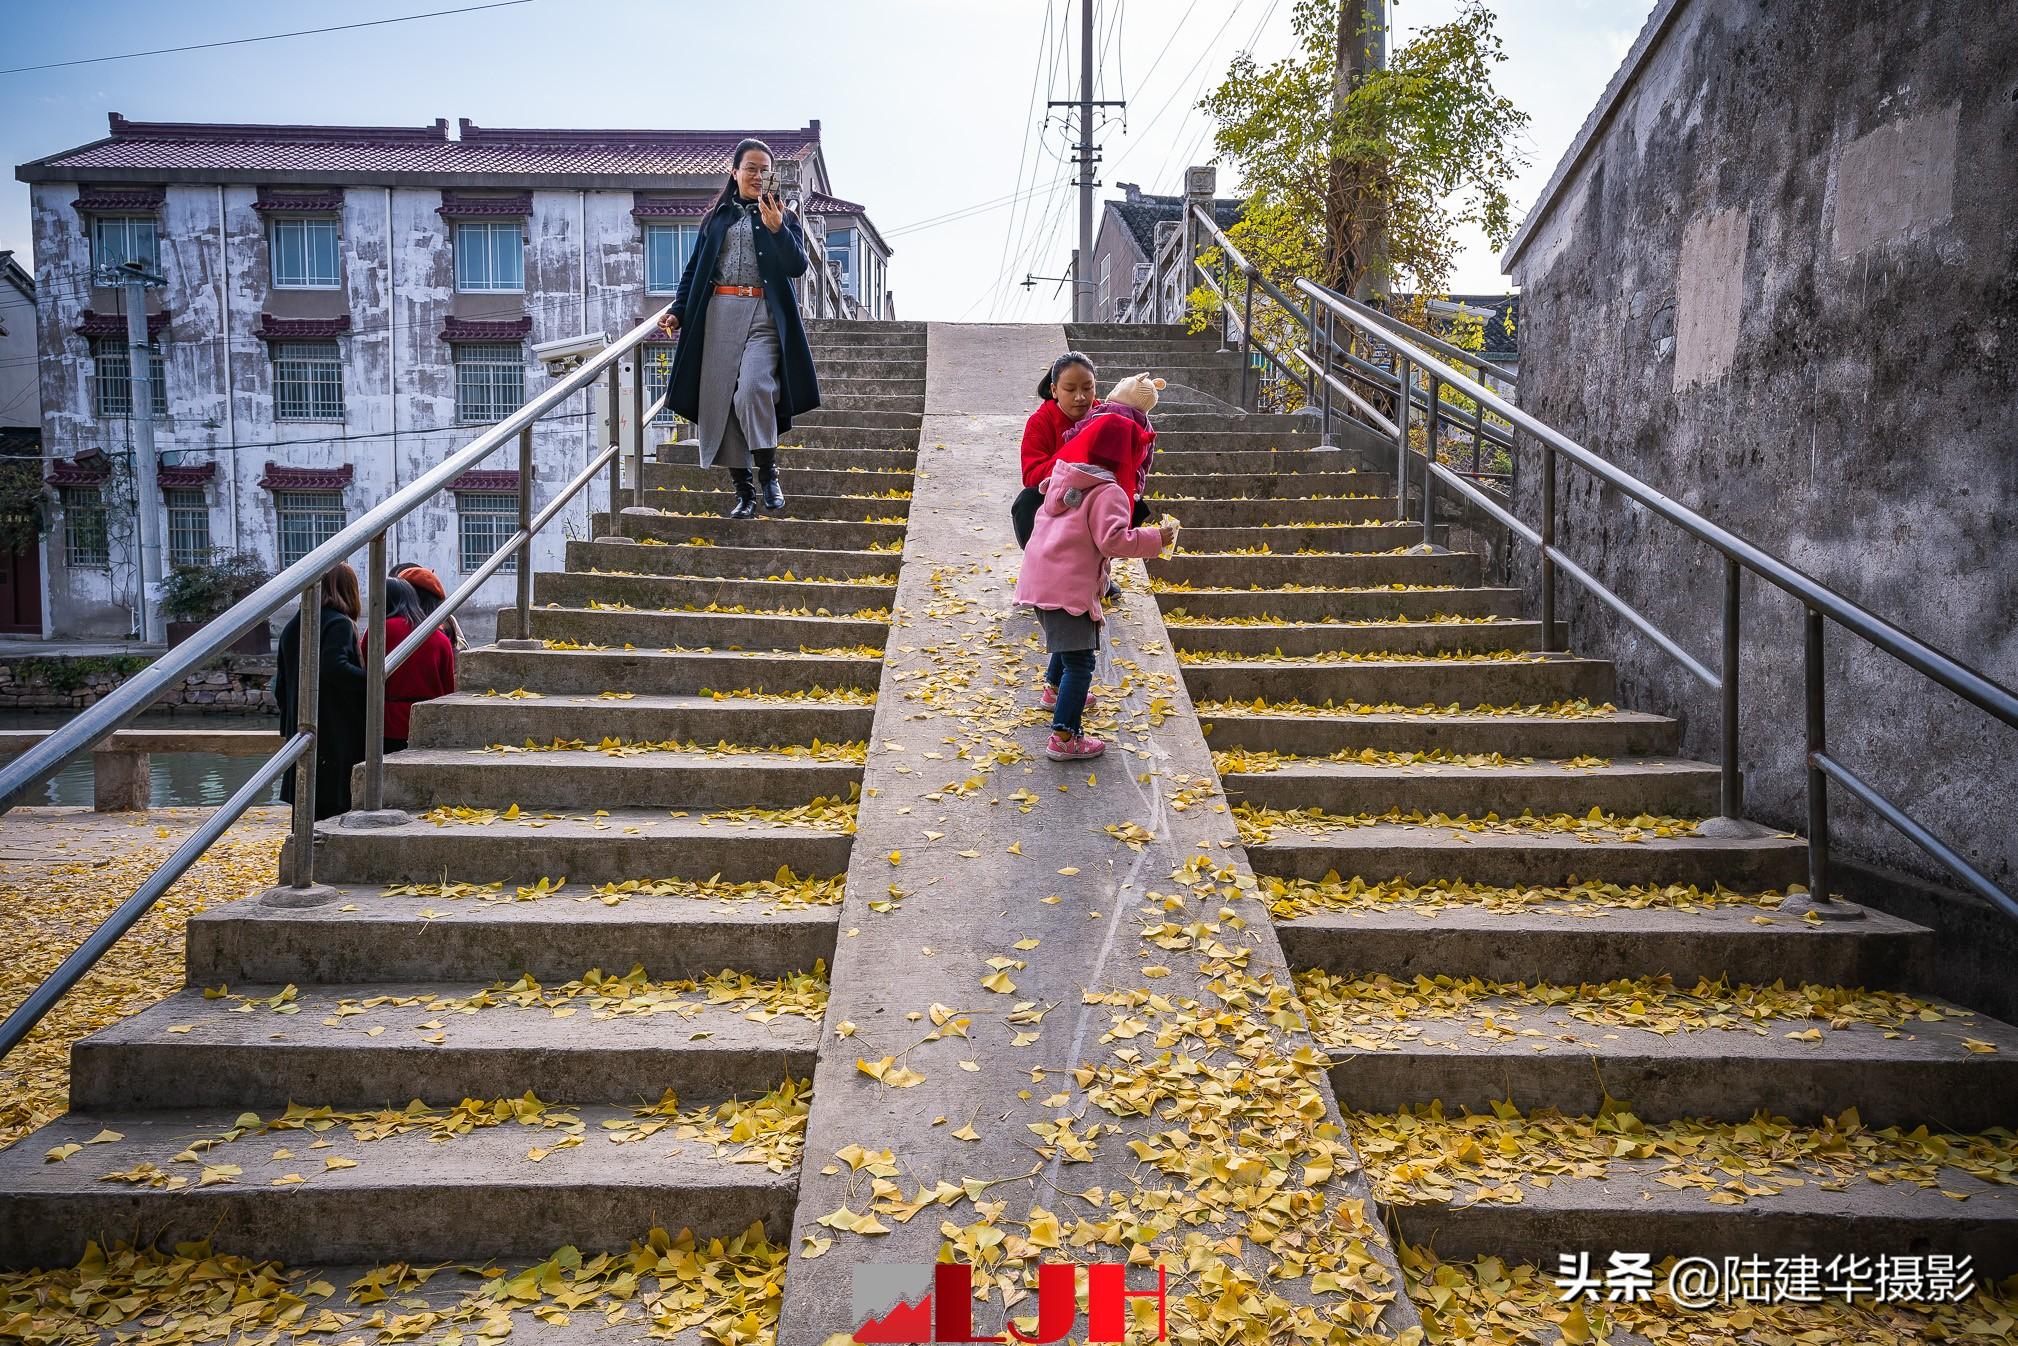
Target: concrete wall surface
{"points": [[1777, 279]]}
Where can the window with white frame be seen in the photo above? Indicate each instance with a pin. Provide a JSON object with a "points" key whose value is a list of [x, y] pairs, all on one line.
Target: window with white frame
{"points": [[841, 248], [667, 248], [85, 545], [119, 239], [1106, 267], [490, 381], [490, 255], [305, 520], [658, 373], [304, 254], [485, 521], [188, 525], [307, 381], [112, 381]]}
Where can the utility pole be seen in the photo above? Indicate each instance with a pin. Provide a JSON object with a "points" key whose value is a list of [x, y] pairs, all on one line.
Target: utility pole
{"points": [[137, 280], [1085, 297]]}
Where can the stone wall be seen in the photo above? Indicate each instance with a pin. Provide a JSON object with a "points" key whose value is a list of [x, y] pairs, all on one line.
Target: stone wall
{"points": [[233, 686], [1777, 279]]}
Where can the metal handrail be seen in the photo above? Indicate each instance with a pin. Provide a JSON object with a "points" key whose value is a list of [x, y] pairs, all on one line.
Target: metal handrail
{"points": [[1822, 604], [302, 582]]}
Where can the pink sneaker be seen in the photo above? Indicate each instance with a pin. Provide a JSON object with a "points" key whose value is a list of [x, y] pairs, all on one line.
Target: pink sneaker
{"points": [[1063, 749], [1051, 698]]}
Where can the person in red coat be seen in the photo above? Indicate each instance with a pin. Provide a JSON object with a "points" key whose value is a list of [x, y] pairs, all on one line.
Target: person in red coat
{"points": [[1065, 395], [427, 674]]}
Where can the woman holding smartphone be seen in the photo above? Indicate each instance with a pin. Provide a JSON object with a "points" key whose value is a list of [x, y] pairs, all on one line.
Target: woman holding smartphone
{"points": [[743, 368]]}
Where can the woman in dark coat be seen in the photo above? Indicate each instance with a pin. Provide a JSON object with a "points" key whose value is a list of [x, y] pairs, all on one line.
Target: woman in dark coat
{"points": [[743, 368], [339, 744]]}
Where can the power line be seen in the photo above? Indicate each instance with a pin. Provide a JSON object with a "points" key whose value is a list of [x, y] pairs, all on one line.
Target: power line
{"points": [[1203, 55], [979, 208], [1030, 113], [267, 37]]}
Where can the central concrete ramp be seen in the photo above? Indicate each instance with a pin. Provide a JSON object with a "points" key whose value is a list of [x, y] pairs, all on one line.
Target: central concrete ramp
{"points": [[1061, 1028]]}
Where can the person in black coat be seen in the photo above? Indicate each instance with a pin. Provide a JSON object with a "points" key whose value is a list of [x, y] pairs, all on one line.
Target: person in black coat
{"points": [[743, 368], [339, 743]]}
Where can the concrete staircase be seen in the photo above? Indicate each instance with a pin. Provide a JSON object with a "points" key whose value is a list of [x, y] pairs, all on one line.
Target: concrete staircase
{"points": [[661, 775], [1417, 781]]}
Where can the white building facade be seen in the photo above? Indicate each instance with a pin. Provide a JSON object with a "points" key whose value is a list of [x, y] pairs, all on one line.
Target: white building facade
{"points": [[344, 308]]}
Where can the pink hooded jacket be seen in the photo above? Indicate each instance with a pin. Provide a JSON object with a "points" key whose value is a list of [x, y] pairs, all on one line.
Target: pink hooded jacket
{"points": [[1083, 521]]}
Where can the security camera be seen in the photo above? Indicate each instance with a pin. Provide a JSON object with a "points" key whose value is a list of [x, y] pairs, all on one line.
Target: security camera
{"points": [[568, 353]]}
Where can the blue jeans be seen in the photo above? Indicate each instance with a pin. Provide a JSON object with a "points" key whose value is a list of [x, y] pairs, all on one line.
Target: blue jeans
{"points": [[1071, 672]]}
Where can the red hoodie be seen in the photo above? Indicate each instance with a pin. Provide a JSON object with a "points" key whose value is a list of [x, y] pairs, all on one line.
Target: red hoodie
{"points": [[1042, 434], [428, 674], [1121, 444]]}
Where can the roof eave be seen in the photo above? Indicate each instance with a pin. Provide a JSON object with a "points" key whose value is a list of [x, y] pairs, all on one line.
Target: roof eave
{"points": [[208, 177]]}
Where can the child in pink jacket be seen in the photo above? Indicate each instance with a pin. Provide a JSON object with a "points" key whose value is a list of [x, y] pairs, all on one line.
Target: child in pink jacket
{"points": [[1082, 522]]}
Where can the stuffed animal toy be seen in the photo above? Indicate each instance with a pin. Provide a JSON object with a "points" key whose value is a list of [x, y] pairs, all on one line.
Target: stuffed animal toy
{"points": [[1138, 391]]}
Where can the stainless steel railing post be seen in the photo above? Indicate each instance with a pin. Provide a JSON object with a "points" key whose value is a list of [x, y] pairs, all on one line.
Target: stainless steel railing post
{"points": [[1401, 410], [307, 697], [1433, 426], [1548, 547], [638, 428], [525, 557], [611, 435], [1247, 346], [1730, 791], [375, 651]]}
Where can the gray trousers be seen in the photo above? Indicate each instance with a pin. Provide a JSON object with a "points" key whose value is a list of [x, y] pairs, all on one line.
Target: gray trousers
{"points": [[739, 381]]}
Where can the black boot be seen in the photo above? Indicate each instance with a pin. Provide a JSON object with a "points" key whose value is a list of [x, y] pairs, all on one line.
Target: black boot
{"points": [[746, 494], [767, 479]]}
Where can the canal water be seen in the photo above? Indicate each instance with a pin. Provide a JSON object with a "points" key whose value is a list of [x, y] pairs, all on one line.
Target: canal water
{"points": [[178, 778]]}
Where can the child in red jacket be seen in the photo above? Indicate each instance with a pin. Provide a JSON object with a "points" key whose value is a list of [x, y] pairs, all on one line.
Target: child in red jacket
{"points": [[428, 673], [1066, 393]]}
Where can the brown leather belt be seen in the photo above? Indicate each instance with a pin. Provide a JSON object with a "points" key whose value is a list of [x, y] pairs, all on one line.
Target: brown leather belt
{"points": [[746, 291]]}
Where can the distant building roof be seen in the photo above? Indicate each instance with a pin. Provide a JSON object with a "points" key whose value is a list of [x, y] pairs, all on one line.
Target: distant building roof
{"points": [[1502, 342], [1141, 211], [174, 151]]}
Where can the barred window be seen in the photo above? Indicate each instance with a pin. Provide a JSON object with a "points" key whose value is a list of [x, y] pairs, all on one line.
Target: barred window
{"points": [[119, 239], [306, 520], [84, 539], [490, 255], [304, 254], [485, 521], [667, 248], [188, 525], [490, 381], [658, 372], [307, 381], [112, 384]]}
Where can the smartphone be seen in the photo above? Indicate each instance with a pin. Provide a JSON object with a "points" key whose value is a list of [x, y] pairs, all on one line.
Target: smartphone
{"points": [[768, 186]]}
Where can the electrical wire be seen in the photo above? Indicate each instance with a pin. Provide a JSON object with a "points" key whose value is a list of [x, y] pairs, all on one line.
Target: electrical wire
{"points": [[267, 37], [1043, 41]]}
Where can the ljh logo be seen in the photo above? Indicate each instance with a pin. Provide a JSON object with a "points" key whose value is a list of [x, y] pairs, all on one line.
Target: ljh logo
{"points": [[934, 1302]]}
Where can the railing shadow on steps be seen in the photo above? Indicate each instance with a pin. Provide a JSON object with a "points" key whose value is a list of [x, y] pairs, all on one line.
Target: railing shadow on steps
{"points": [[1422, 367], [301, 583]]}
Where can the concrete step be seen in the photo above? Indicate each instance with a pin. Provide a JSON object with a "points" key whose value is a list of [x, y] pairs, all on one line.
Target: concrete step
{"points": [[1260, 485], [1197, 513], [1291, 539], [821, 456], [897, 364], [1406, 682], [1236, 422], [1619, 733], [1180, 439], [1424, 853], [700, 630], [1160, 333], [1562, 940], [389, 1206], [725, 562], [687, 500], [1549, 1058], [781, 533], [899, 381], [189, 1052], [562, 779], [860, 418], [794, 480], [1339, 572], [1339, 605], [589, 672], [574, 589], [865, 331], [1400, 638], [365, 935], [626, 844], [845, 349], [472, 720], [1633, 785], [832, 438], [1632, 1209]]}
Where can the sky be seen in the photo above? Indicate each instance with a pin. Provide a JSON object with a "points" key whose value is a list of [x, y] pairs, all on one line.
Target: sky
{"points": [[928, 108]]}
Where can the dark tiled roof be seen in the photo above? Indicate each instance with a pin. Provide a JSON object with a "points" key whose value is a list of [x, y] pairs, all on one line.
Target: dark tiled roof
{"points": [[90, 471], [270, 328], [466, 329], [502, 479], [280, 478], [101, 200], [645, 207], [1142, 215], [1500, 344], [456, 205], [322, 202], [419, 150], [184, 475], [114, 324], [819, 203]]}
